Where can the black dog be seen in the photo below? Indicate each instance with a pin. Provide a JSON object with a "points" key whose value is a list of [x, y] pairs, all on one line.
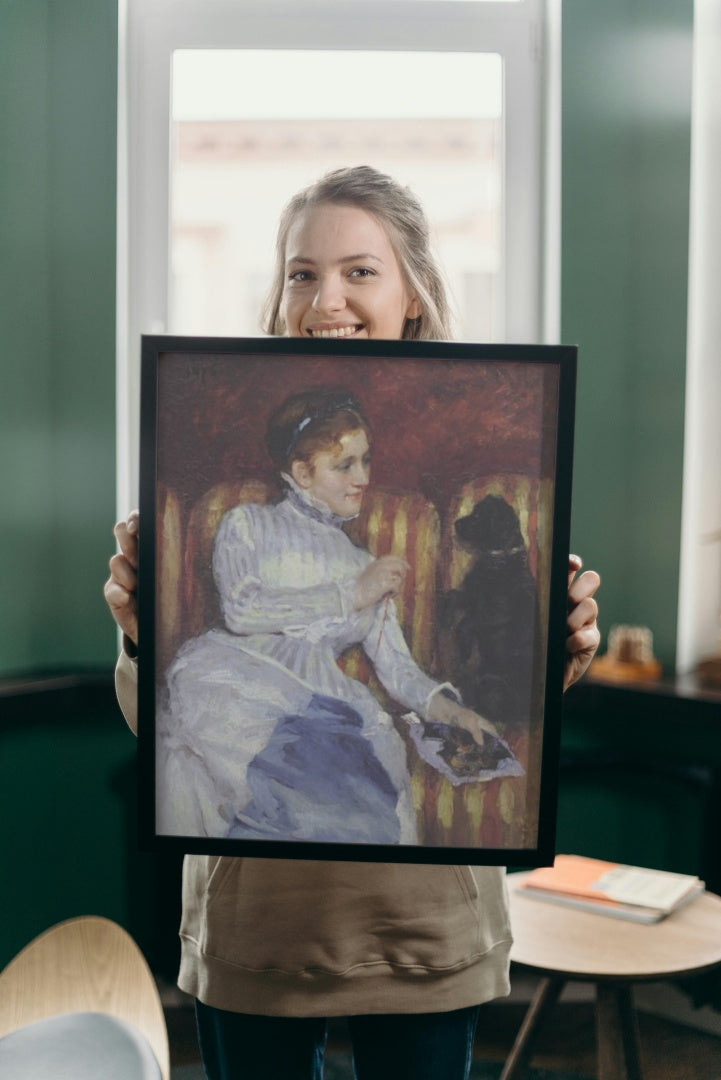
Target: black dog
{"points": [[492, 619]]}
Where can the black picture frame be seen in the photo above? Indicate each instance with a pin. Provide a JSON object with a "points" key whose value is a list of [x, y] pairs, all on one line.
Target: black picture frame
{"points": [[455, 426]]}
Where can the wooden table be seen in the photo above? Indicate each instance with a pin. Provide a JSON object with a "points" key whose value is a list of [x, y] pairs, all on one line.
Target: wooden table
{"points": [[563, 944]]}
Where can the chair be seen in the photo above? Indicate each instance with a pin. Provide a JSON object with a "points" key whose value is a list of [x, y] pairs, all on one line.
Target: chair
{"points": [[168, 556], [79, 1002]]}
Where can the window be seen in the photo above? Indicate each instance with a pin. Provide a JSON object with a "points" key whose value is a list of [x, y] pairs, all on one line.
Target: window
{"points": [[235, 161], [227, 107]]}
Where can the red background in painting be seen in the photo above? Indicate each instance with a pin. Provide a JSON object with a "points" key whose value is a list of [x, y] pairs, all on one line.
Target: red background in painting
{"points": [[436, 423]]}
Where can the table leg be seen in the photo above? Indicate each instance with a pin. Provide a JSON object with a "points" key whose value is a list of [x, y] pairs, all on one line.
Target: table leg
{"points": [[617, 1033], [545, 997]]}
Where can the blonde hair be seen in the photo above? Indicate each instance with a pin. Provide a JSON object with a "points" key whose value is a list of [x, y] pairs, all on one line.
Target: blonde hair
{"points": [[403, 217]]}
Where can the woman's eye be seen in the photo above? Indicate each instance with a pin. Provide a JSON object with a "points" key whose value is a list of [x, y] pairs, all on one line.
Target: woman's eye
{"points": [[300, 276], [362, 272]]}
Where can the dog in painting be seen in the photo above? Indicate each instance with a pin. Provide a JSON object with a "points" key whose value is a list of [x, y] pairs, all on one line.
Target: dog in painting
{"points": [[492, 618]]}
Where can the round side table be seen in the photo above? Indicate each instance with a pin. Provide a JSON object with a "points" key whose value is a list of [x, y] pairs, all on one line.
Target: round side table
{"points": [[563, 944]]}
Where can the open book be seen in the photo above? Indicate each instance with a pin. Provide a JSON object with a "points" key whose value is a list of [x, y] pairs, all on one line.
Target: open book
{"points": [[457, 756], [609, 888]]}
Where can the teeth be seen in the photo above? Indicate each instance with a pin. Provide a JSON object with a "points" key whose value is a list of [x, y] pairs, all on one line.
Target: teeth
{"points": [[336, 332]]}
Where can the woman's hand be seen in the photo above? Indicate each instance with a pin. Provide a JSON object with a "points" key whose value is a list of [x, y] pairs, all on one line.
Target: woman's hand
{"points": [[383, 577], [121, 587], [582, 633], [445, 710]]}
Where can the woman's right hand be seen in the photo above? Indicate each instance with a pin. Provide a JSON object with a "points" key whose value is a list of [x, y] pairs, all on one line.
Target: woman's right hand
{"points": [[121, 587], [381, 578]]}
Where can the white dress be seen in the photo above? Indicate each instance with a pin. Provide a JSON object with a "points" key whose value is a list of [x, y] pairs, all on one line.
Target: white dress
{"points": [[250, 707]]}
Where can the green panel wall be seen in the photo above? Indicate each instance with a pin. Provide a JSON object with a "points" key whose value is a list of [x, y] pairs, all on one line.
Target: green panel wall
{"points": [[66, 758], [66, 772], [69, 798], [625, 200], [58, 75], [25, 399]]}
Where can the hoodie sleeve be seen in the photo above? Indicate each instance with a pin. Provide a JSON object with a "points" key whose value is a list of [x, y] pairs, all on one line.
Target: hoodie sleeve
{"points": [[126, 688]]}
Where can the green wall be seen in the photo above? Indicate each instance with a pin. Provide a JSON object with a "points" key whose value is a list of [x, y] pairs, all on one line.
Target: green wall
{"points": [[66, 758], [626, 146], [58, 73]]}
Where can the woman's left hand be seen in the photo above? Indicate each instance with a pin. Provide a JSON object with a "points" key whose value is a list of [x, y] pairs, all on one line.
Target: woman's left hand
{"points": [[445, 710], [582, 633]]}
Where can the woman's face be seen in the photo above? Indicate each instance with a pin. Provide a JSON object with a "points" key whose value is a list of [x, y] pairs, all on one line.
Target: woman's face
{"points": [[339, 476], [342, 277]]}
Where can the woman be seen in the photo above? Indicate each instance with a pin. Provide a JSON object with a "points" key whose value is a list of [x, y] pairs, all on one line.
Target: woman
{"points": [[291, 747], [271, 948]]}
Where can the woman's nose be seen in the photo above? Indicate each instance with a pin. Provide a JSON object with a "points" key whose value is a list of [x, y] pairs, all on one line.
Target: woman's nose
{"points": [[329, 295], [361, 475]]}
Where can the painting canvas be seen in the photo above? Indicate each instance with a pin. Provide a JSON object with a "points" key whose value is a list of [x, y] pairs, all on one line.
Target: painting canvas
{"points": [[320, 613]]}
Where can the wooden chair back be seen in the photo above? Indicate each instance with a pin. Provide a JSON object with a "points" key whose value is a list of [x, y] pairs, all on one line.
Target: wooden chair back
{"points": [[86, 964]]}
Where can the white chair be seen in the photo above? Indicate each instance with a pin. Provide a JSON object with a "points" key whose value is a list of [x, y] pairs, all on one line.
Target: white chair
{"points": [[80, 1002]]}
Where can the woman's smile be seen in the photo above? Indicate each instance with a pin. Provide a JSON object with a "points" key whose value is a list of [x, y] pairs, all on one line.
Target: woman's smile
{"points": [[335, 331]]}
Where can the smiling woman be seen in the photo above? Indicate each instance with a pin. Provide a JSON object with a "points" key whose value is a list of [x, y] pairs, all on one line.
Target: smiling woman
{"points": [[353, 259], [343, 277]]}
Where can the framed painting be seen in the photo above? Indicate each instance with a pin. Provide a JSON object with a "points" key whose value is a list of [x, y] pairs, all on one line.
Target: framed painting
{"points": [[352, 597]]}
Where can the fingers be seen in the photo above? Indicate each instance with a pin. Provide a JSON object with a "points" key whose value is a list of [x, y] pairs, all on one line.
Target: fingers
{"points": [[386, 576], [396, 568], [123, 608], [121, 587], [582, 607], [119, 600], [486, 725], [475, 724], [581, 648], [394, 564], [583, 613], [123, 572], [582, 634], [575, 563], [584, 641], [395, 579], [583, 587], [126, 534]]}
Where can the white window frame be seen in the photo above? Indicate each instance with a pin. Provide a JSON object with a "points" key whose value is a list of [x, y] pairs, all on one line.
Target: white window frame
{"points": [[699, 598], [526, 34]]}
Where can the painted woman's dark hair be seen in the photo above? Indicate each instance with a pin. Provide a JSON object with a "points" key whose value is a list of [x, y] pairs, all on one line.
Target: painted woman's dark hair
{"points": [[312, 420]]}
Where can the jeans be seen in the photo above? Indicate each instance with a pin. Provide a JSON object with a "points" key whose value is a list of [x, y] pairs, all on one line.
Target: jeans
{"points": [[414, 1046]]}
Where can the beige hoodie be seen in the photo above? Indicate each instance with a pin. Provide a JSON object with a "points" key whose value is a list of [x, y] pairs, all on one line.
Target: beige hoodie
{"points": [[284, 937]]}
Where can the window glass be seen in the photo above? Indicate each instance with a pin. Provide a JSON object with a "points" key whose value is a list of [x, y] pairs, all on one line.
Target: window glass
{"points": [[251, 127]]}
